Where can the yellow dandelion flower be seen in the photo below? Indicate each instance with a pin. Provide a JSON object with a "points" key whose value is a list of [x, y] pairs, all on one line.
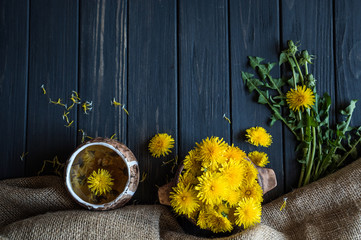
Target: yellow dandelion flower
{"points": [[202, 221], [233, 152], [258, 136], [219, 223], [221, 209], [212, 188], [250, 172], [248, 212], [184, 200], [160, 145], [233, 197], [191, 162], [187, 178], [233, 173], [211, 150], [100, 182], [252, 190], [258, 158], [300, 98]]}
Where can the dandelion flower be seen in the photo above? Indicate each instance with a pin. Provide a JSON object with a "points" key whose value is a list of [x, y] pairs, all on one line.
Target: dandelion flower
{"points": [[187, 178], [233, 173], [219, 223], [248, 212], [250, 172], [211, 151], [202, 221], [233, 197], [184, 200], [258, 136], [233, 152], [100, 182], [160, 145], [212, 188], [258, 158], [221, 209], [300, 98], [252, 190], [192, 163]]}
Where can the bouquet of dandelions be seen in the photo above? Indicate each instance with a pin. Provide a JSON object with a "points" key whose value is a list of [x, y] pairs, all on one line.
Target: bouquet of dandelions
{"points": [[321, 149], [218, 186]]}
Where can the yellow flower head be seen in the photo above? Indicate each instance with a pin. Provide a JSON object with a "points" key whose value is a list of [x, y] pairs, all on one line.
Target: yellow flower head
{"points": [[258, 158], [212, 188], [248, 212], [192, 163], [221, 209], [184, 200], [187, 178], [219, 223], [160, 145], [233, 173], [202, 221], [233, 197], [250, 172], [235, 153], [252, 190], [211, 151], [258, 136], [100, 182], [300, 98]]}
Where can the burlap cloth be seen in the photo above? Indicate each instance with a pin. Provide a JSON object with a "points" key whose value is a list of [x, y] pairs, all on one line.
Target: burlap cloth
{"points": [[40, 208]]}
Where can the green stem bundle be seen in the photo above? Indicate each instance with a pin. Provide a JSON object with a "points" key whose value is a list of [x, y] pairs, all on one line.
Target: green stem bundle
{"points": [[322, 150]]}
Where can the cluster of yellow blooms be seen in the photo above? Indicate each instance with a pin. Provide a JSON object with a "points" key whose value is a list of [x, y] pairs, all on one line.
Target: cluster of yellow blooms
{"points": [[218, 187]]}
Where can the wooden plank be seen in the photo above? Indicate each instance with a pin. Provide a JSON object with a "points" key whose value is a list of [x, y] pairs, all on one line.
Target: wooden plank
{"points": [[13, 85], [203, 72], [254, 34], [310, 23], [348, 52], [103, 67], [152, 89], [53, 62]]}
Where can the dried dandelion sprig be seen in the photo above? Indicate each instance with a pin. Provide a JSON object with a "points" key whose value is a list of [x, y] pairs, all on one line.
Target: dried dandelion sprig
{"points": [[43, 88], [321, 149], [87, 106], [228, 120], [55, 165]]}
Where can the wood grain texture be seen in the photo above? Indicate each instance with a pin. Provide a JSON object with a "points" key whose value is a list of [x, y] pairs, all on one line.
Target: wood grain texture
{"points": [[310, 23], [348, 55], [53, 62], [253, 34], [203, 72], [152, 90], [103, 67], [13, 85]]}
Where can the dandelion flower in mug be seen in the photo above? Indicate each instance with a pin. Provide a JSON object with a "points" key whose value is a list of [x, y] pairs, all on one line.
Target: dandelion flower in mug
{"points": [[258, 158], [160, 145], [248, 212], [219, 223], [100, 182], [212, 188], [258, 136], [300, 98], [184, 200]]}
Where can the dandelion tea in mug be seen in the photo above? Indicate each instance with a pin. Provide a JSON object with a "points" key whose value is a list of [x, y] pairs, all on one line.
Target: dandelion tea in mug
{"points": [[98, 174]]}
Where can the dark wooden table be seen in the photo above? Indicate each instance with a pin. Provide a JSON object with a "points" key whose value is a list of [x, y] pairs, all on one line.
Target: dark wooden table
{"points": [[175, 64]]}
